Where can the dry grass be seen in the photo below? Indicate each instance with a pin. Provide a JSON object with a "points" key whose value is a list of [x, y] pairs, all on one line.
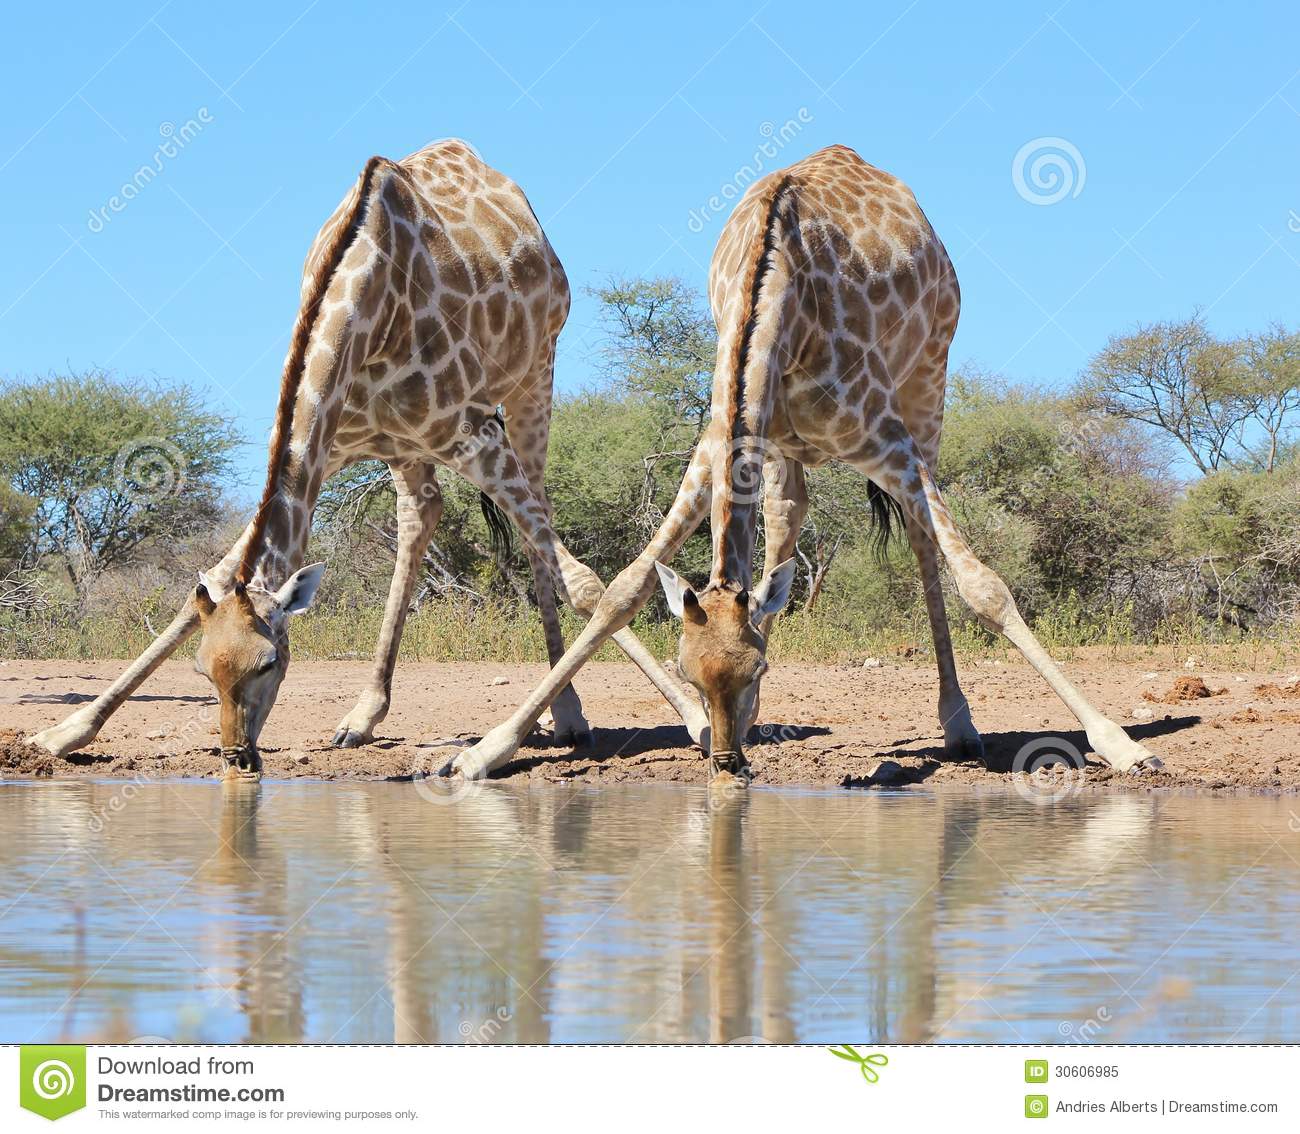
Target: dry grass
{"points": [[451, 631]]}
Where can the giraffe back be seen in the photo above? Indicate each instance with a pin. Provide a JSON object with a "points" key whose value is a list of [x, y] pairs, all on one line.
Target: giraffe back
{"points": [[463, 305], [868, 308]]}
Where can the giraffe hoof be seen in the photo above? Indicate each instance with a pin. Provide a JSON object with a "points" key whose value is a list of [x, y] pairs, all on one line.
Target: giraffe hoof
{"points": [[347, 738], [1122, 753]]}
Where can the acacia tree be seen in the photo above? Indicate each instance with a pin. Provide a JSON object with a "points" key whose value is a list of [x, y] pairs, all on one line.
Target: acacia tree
{"points": [[1271, 387], [661, 344], [110, 468], [1177, 378]]}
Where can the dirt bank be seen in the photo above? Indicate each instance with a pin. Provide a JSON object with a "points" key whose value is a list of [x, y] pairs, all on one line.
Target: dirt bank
{"points": [[822, 725]]}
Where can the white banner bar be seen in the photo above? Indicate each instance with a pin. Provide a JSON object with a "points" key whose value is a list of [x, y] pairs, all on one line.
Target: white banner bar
{"points": [[649, 1088]]}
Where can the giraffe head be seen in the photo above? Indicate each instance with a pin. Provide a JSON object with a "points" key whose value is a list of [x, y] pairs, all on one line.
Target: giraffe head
{"points": [[723, 651], [244, 652]]}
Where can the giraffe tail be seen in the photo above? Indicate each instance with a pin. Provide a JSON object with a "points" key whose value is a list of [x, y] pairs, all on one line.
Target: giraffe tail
{"points": [[500, 534], [887, 517]]}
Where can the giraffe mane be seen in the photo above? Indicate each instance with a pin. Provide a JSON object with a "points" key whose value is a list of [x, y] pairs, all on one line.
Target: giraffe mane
{"points": [[756, 271], [295, 363]]}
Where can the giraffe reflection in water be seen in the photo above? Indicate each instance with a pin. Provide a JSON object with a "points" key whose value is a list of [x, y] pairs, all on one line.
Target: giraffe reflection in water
{"points": [[364, 912]]}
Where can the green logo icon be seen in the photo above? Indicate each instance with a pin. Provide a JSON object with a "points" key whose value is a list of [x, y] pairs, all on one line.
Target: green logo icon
{"points": [[1035, 1070], [1037, 1106], [867, 1064], [52, 1079]]}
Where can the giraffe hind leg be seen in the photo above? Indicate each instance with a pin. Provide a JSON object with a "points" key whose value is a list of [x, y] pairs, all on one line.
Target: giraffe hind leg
{"points": [[527, 408], [961, 739], [900, 469], [568, 724]]}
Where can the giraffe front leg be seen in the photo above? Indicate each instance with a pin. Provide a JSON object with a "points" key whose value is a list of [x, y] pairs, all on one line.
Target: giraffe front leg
{"points": [[419, 507], [584, 592], [617, 607]]}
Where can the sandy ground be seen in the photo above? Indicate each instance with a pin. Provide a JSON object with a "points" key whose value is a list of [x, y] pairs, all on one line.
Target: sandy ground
{"points": [[821, 725]]}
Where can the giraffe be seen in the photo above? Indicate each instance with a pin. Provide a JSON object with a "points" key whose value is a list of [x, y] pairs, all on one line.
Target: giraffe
{"points": [[835, 304], [431, 303]]}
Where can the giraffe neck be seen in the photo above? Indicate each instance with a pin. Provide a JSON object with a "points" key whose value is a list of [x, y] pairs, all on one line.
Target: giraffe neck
{"points": [[294, 482], [288, 526], [328, 342]]}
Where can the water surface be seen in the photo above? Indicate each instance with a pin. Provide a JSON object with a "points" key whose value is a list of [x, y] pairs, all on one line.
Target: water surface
{"points": [[372, 913]]}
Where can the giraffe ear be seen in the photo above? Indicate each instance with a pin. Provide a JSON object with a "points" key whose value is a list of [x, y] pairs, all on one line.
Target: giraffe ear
{"points": [[210, 587], [299, 590], [681, 598]]}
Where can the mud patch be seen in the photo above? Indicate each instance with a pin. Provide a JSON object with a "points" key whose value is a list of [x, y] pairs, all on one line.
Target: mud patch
{"points": [[18, 758], [1278, 692], [1183, 689]]}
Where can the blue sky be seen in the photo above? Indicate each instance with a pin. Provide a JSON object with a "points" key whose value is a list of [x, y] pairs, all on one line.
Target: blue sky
{"points": [[1178, 130]]}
